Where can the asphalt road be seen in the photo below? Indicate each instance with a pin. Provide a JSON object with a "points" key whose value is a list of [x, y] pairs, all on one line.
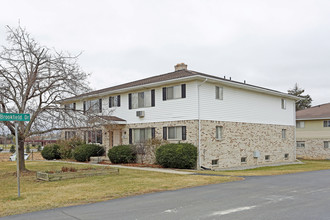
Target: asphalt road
{"points": [[294, 196]]}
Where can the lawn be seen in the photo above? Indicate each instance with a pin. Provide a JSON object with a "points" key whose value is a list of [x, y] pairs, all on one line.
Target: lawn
{"points": [[39, 195], [309, 165]]}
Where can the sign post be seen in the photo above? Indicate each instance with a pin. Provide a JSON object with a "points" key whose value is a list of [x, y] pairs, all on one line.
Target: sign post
{"points": [[16, 117]]}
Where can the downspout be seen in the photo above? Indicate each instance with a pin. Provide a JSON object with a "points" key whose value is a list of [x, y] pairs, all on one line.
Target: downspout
{"points": [[199, 126]]}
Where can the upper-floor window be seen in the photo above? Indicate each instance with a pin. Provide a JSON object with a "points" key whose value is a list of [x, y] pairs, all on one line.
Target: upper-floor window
{"points": [[218, 134], [141, 135], [94, 136], [141, 99], [114, 101], [283, 103], [283, 133], [174, 92], [219, 93], [300, 124], [175, 133], [93, 106], [326, 123], [71, 106]]}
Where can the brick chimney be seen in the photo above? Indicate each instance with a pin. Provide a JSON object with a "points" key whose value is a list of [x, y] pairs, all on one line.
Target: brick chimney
{"points": [[180, 66]]}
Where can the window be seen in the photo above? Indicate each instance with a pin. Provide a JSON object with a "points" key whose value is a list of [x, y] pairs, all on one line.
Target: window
{"points": [[300, 143], [286, 156], [69, 135], [326, 123], [267, 157], [141, 99], [93, 106], [215, 162], [326, 144], [93, 136], [174, 133], [283, 103], [283, 133], [71, 106], [141, 135], [218, 134], [243, 159], [219, 93], [174, 92], [114, 101], [300, 124]]}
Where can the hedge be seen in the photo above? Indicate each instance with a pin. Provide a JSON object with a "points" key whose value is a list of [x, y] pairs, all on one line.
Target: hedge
{"points": [[181, 155], [122, 154], [83, 152], [51, 152]]}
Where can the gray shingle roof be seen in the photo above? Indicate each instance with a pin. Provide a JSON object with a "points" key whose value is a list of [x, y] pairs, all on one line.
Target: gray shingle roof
{"points": [[316, 112]]}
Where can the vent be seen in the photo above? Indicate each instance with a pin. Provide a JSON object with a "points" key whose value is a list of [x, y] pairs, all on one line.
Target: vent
{"points": [[140, 114]]}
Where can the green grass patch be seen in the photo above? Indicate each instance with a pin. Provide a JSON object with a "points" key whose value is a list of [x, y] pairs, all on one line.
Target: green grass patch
{"points": [[309, 165]]}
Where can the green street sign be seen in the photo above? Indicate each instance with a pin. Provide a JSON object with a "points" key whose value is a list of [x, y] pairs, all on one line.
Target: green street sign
{"points": [[14, 117]]}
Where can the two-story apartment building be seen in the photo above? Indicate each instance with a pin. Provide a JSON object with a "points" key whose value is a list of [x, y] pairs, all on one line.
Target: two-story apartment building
{"points": [[232, 123], [313, 132]]}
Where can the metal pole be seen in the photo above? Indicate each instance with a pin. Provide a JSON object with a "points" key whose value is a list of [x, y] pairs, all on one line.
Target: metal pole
{"points": [[199, 126], [17, 162]]}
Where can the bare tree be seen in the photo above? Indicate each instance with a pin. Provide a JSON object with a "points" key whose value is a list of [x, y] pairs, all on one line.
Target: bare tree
{"points": [[33, 80]]}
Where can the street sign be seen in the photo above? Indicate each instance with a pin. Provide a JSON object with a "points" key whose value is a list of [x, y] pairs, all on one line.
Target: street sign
{"points": [[14, 117]]}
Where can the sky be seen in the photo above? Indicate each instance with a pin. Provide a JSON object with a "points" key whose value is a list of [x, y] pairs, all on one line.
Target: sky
{"points": [[268, 43]]}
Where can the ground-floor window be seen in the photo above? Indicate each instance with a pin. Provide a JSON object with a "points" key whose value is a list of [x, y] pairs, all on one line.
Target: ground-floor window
{"points": [[300, 143], [94, 136], [326, 144], [141, 135], [70, 134], [174, 133]]}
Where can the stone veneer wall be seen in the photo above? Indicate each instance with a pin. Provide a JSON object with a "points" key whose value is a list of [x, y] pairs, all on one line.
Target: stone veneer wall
{"points": [[238, 140], [149, 157], [241, 140], [314, 149]]}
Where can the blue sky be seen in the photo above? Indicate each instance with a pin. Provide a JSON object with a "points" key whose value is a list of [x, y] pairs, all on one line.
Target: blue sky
{"points": [[273, 44]]}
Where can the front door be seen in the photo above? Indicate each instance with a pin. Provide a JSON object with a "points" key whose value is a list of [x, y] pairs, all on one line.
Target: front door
{"points": [[116, 138]]}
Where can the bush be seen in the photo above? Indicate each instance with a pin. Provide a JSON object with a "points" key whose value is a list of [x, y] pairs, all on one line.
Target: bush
{"points": [[67, 147], [122, 154], [181, 155], [12, 149], [51, 152], [83, 152]]}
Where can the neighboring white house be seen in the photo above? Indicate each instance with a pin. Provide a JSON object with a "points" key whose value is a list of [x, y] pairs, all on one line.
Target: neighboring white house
{"points": [[232, 123]]}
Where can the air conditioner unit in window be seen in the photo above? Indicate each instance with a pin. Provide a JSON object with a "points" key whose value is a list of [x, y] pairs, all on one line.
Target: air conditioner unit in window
{"points": [[140, 114]]}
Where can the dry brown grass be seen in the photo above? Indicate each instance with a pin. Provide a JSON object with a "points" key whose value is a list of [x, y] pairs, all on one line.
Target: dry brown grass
{"points": [[39, 195]]}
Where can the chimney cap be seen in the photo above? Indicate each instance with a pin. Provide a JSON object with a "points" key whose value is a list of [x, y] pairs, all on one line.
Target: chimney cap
{"points": [[180, 66]]}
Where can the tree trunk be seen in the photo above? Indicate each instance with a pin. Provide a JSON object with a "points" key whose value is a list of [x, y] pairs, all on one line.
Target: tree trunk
{"points": [[21, 155]]}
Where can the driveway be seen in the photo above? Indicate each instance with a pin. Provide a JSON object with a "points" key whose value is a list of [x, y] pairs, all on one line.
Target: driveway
{"points": [[293, 196]]}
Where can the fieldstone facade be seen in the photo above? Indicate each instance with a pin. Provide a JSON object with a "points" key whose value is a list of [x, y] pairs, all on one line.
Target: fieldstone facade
{"points": [[313, 149], [246, 140], [259, 144]]}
